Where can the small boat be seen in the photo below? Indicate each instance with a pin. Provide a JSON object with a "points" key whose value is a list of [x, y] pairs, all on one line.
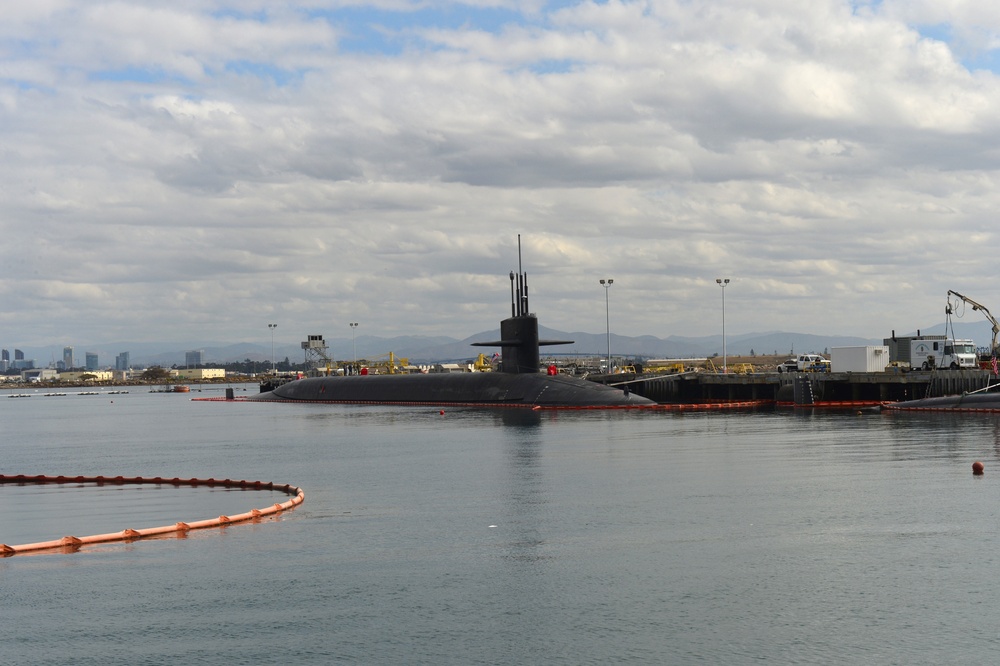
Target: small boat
{"points": [[181, 388]]}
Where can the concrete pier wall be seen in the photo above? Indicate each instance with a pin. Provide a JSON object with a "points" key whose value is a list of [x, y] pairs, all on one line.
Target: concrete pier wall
{"points": [[702, 387]]}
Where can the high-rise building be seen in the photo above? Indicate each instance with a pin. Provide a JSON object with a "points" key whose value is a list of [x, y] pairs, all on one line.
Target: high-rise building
{"points": [[92, 363], [68, 357], [5, 361], [193, 359], [122, 362], [19, 362], [6, 356]]}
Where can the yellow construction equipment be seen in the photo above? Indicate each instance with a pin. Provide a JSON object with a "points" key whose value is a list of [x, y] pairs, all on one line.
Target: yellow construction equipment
{"points": [[670, 365], [731, 368], [482, 364], [391, 365]]}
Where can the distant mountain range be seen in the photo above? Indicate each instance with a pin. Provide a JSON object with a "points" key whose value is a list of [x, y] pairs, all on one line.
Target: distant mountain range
{"points": [[427, 349]]}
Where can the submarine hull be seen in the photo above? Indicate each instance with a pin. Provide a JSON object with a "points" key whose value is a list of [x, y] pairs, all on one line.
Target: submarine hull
{"points": [[980, 402], [491, 389]]}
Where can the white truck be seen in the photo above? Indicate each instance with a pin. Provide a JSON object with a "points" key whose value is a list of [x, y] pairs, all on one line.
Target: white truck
{"points": [[945, 354], [805, 363], [813, 363]]}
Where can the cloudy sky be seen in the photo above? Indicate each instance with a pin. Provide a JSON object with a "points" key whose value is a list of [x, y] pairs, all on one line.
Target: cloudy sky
{"points": [[196, 169]]}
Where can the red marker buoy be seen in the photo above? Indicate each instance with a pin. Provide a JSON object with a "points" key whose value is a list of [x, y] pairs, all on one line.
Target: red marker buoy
{"points": [[977, 468], [442, 412]]}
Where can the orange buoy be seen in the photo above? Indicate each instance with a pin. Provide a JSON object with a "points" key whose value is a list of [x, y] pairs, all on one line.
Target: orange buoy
{"points": [[977, 468]]}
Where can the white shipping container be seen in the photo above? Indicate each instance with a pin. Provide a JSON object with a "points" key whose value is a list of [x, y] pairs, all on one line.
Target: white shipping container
{"points": [[872, 358]]}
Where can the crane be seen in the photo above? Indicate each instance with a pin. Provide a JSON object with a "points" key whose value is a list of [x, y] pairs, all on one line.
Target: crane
{"points": [[981, 308]]}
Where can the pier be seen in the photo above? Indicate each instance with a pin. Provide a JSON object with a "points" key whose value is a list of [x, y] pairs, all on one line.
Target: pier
{"points": [[800, 388]]}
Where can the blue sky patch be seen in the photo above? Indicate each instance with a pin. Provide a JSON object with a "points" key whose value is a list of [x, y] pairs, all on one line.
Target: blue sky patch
{"points": [[971, 59], [280, 77], [941, 32], [135, 75], [366, 30]]}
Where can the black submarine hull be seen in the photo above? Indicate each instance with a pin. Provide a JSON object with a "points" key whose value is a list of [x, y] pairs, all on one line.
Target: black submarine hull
{"points": [[970, 402], [488, 389]]}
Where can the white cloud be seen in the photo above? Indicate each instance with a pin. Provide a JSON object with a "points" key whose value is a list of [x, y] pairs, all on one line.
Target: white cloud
{"points": [[199, 169]]}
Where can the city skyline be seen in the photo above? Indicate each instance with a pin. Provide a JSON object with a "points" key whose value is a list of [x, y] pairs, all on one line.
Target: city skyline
{"points": [[439, 348], [67, 362]]}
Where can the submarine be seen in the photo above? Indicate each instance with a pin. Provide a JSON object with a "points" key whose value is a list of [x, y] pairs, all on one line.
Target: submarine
{"points": [[965, 402], [518, 383]]}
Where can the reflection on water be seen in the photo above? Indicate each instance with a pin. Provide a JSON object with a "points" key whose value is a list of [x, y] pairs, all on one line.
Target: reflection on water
{"points": [[418, 416], [519, 418], [525, 494], [515, 536]]}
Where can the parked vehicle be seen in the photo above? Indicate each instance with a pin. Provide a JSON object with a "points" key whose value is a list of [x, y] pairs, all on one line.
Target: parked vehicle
{"points": [[952, 354], [812, 363], [791, 365]]}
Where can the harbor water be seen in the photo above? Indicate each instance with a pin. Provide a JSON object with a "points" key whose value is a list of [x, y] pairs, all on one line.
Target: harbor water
{"points": [[502, 536]]}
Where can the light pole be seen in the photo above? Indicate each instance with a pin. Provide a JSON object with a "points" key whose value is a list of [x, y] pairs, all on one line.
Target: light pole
{"points": [[272, 327], [607, 315], [722, 282], [354, 326]]}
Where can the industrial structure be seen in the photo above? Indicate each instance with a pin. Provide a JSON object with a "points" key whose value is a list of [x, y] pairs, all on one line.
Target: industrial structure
{"points": [[317, 357]]}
